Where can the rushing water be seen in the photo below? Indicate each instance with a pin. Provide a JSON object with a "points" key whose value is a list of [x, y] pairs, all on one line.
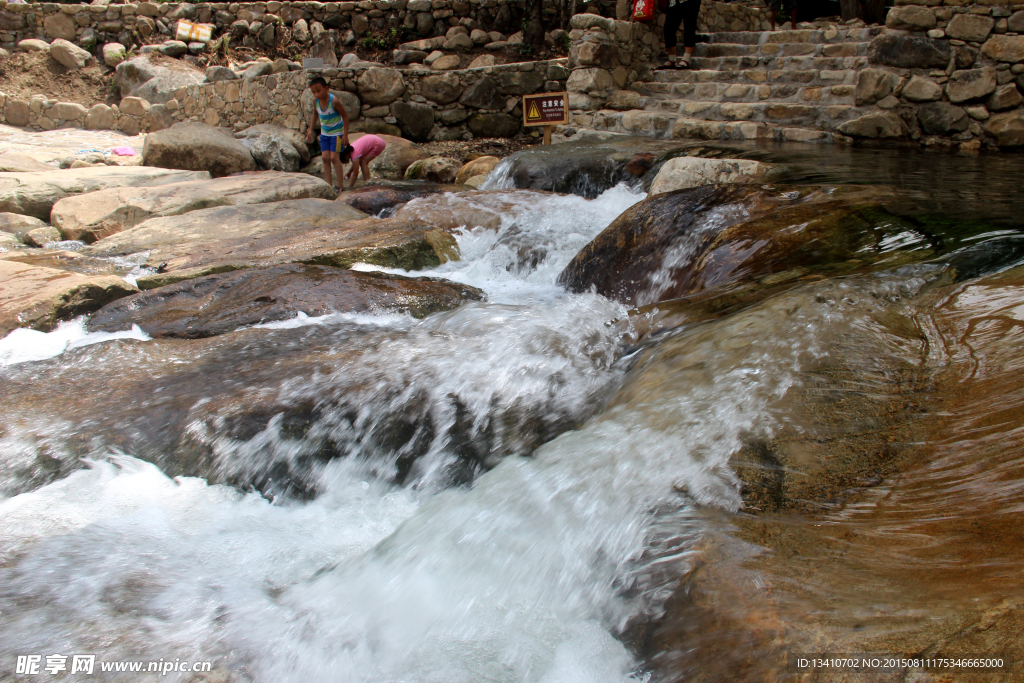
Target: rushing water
{"points": [[508, 491]]}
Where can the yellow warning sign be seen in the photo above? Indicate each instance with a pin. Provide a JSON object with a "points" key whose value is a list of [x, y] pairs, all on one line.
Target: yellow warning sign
{"points": [[545, 109]]}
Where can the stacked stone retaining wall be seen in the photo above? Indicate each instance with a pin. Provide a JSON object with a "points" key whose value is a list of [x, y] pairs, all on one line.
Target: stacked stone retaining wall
{"points": [[423, 104]]}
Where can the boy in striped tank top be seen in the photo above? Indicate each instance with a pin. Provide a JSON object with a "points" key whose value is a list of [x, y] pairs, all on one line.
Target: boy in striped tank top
{"points": [[333, 123]]}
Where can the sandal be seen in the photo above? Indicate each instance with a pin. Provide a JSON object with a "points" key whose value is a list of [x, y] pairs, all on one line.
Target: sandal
{"points": [[682, 63], [667, 66]]}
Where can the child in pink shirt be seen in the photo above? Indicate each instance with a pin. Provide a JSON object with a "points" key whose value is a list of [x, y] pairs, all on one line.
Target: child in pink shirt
{"points": [[361, 153]]}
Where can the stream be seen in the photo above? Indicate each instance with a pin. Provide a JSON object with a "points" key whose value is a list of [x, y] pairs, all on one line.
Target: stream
{"points": [[554, 485]]}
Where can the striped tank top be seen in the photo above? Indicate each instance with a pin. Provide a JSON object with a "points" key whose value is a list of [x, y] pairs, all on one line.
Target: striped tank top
{"points": [[331, 122]]}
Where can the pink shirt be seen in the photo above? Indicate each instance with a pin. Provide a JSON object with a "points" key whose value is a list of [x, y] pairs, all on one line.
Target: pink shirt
{"points": [[369, 146]]}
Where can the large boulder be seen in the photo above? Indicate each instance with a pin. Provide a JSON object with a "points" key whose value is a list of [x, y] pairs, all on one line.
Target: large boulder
{"points": [[156, 84], [909, 51], [274, 152], [476, 167], [221, 303], [414, 119], [380, 86], [396, 157], [434, 169], [720, 236], [297, 140], [197, 147], [34, 194], [686, 172], [38, 297], [17, 162], [69, 54], [96, 215], [294, 231]]}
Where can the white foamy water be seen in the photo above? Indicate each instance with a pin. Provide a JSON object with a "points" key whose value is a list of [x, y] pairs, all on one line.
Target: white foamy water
{"points": [[538, 233], [23, 345], [526, 575]]}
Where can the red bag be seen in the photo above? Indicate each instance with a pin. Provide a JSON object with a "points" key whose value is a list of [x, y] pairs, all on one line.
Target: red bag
{"points": [[644, 10]]}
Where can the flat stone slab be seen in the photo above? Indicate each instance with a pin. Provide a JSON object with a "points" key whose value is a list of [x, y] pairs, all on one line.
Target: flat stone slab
{"points": [[38, 297], [93, 216], [295, 231], [221, 303], [34, 194]]}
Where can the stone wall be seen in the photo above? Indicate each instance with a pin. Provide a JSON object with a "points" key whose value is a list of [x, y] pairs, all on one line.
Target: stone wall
{"points": [[422, 104], [607, 55], [273, 22], [946, 74], [266, 22]]}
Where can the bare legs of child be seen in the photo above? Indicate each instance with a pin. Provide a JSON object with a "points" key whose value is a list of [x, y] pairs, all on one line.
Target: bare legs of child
{"points": [[332, 162]]}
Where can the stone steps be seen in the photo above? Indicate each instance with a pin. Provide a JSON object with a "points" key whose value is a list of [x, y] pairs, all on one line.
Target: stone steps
{"points": [[666, 126], [770, 85], [658, 95], [783, 63], [805, 115], [756, 76], [815, 36], [775, 50]]}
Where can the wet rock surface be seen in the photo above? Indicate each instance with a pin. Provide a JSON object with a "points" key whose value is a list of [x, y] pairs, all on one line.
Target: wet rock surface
{"points": [[216, 304], [93, 216], [38, 297], [659, 250], [296, 231], [381, 195], [863, 485]]}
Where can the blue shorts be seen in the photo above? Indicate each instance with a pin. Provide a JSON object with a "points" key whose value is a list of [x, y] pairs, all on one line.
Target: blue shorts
{"points": [[328, 143]]}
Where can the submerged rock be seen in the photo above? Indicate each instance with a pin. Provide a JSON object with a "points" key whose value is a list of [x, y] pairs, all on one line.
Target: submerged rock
{"points": [[476, 167], [886, 467], [96, 215], [38, 297], [295, 231], [716, 236], [34, 194], [216, 304], [381, 195]]}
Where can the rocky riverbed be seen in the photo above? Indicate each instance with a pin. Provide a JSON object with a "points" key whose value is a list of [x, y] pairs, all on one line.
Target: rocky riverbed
{"points": [[616, 410]]}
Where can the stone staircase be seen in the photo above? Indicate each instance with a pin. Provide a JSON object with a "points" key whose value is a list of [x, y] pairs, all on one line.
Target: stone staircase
{"points": [[795, 85]]}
